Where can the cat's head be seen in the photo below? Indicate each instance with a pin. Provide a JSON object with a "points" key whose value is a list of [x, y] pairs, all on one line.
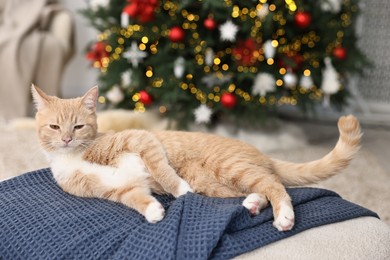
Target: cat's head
{"points": [[65, 125]]}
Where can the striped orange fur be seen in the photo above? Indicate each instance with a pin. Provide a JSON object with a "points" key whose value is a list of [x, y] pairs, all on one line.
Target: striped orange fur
{"points": [[128, 166]]}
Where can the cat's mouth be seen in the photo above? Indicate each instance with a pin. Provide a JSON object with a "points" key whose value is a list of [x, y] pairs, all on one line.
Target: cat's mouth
{"points": [[70, 147], [66, 147]]}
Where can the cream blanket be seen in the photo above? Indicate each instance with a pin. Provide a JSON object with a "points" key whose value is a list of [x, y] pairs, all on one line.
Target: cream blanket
{"points": [[25, 43]]}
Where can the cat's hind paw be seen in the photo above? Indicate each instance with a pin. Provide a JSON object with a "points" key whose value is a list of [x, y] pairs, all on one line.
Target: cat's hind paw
{"points": [[254, 203], [154, 212], [285, 220]]}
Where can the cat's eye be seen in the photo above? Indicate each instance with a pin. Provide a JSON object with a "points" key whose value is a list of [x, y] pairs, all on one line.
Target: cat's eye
{"points": [[54, 127], [77, 127]]}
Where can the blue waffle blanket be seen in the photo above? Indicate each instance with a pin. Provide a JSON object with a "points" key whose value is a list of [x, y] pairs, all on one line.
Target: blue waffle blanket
{"points": [[39, 221]]}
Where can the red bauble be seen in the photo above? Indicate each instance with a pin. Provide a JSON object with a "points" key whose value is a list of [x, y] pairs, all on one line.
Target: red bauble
{"points": [[145, 97], [340, 53], [228, 100], [97, 52], [302, 19], [176, 34], [131, 10], [244, 52], [210, 24], [141, 10]]}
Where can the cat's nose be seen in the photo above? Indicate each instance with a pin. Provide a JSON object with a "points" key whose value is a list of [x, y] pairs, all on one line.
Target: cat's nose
{"points": [[67, 140]]}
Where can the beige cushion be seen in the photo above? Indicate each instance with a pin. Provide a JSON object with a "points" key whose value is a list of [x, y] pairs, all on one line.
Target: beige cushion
{"points": [[360, 238]]}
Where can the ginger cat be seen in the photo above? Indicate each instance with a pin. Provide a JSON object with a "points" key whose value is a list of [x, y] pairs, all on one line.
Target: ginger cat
{"points": [[128, 166]]}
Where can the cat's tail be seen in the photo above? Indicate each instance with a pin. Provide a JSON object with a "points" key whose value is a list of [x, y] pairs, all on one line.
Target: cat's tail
{"points": [[296, 174]]}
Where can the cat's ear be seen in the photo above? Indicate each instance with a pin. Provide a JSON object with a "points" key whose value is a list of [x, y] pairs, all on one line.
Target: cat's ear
{"points": [[40, 99], [90, 98]]}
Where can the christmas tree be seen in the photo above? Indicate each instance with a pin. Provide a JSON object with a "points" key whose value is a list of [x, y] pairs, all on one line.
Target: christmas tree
{"points": [[203, 60]]}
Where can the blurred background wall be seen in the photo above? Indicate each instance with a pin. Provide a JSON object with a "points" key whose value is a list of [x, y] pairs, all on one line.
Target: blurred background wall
{"points": [[375, 38], [79, 76]]}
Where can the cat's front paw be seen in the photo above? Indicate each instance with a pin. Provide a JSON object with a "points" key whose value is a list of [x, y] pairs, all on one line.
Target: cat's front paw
{"points": [[154, 212], [285, 219], [182, 189]]}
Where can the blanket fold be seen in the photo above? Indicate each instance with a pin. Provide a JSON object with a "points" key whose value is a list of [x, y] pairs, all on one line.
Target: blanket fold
{"points": [[40, 221]]}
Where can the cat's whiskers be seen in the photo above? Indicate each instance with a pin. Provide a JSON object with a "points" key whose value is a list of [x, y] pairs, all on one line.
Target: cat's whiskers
{"points": [[86, 143], [37, 151]]}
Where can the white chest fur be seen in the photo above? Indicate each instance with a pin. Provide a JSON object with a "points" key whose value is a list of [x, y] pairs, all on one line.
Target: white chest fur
{"points": [[130, 166]]}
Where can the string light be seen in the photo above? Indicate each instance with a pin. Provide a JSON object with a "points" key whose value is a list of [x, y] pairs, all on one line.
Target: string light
{"points": [[139, 107], [149, 73], [291, 5], [102, 100], [158, 82], [162, 109], [136, 97]]}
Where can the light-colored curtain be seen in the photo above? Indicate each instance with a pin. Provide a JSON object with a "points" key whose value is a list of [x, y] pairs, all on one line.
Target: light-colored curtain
{"points": [[34, 48]]}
